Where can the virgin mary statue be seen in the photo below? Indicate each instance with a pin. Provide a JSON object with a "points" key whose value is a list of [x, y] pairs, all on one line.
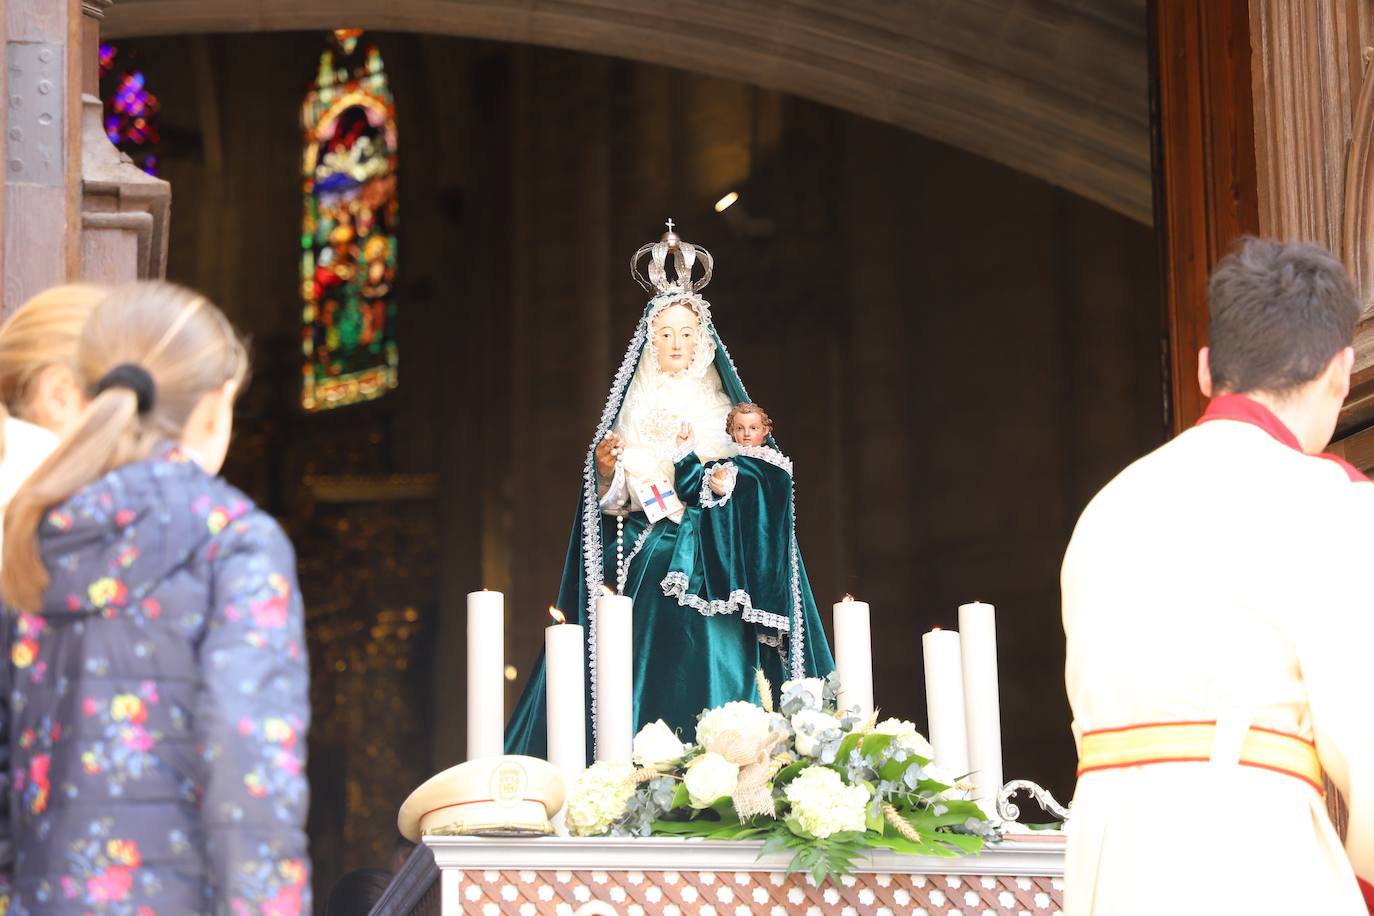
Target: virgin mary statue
{"points": [[697, 530]]}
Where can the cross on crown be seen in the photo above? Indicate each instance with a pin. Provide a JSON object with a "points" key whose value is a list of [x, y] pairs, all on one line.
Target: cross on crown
{"points": [[683, 258]]}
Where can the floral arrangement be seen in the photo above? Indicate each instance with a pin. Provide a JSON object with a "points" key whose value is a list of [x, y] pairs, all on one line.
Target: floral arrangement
{"points": [[805, 777]]}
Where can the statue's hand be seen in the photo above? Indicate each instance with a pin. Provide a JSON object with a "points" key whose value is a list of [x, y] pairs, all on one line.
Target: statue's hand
{"points": [[607, 454], [684, 435], [719, 480]]}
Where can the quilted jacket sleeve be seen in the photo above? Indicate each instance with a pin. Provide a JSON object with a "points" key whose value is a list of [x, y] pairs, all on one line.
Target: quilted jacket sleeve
{"points": [[252, 718], [6, 828]]}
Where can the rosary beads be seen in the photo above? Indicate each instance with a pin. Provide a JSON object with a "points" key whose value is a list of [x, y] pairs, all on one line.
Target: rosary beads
{"points": [[620, 547]]}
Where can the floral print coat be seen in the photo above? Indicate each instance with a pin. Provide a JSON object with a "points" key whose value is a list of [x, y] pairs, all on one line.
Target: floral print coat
{"points": [[153, 715]]}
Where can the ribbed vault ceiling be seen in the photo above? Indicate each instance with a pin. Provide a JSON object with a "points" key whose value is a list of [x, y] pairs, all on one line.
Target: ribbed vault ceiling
{"points": [[1054, 88]]}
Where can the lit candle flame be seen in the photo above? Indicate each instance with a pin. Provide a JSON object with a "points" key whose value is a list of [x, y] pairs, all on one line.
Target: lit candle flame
{"points": [[607, 591], [557, 615], [934, 629], [847, 598]]}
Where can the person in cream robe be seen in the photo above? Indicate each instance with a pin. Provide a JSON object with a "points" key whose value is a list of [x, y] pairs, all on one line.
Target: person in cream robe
{"points": [[1219, 618], [41, 396], [25, 446]]}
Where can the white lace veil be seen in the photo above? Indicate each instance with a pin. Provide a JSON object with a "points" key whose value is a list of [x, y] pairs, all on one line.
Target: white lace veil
{"points": [[658, 402]]}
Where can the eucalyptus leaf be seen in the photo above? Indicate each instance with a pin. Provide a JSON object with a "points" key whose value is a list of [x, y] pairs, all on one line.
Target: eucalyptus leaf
{"points": [[847, 745]]}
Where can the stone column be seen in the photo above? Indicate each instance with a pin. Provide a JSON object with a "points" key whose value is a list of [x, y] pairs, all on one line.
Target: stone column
{"points": [[42, 145], [124, 211]]}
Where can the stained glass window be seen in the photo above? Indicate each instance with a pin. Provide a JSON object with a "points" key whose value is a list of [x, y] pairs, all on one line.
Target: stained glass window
{"points": [[348, 236], [131, 111]]}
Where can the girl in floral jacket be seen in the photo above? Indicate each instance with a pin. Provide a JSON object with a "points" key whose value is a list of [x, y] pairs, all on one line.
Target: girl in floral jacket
{"points": [[154, 709]]}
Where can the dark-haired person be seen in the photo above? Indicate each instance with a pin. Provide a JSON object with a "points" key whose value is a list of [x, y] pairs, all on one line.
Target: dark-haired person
{"points": [[357, 892], [1220, 624]]}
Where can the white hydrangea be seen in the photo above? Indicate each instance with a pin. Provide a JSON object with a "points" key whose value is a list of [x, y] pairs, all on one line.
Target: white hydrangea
{"points": [[599, 798], [710, 779], [907, 737], [750, 722], [823, 805], [657, 746], [809, 724]]}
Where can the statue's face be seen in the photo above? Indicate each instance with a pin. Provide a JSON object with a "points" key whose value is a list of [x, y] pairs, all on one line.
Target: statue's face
{"points": [[749, 429], [675, 335]]}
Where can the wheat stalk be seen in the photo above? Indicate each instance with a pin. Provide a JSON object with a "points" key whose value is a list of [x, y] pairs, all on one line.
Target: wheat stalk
{"points": [[642, 775], [900, 824], [765, 690]]}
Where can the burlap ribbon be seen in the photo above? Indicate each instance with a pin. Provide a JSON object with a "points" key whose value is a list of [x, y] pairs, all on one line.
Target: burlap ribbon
{"points": [[752, 795]]}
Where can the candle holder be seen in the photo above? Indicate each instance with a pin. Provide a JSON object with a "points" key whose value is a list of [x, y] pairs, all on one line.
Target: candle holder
{"points": [[1008, 811]]}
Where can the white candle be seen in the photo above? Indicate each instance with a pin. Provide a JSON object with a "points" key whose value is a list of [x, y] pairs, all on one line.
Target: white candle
{"points": [[945, 699], [486, 674], [854, 654], [566, 699], [615, 707], [978, 638]]}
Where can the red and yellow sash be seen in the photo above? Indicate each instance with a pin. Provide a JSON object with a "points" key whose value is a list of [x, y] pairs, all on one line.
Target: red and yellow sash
{"points": [[1191, 742]]}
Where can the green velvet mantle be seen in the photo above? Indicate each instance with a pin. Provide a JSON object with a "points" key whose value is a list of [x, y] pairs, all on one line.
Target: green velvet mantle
{"points": [[715, 597]]}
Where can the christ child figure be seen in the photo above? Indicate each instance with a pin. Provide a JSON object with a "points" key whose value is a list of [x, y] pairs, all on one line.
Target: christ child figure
{"points": [[749, 425], [721, 479]]}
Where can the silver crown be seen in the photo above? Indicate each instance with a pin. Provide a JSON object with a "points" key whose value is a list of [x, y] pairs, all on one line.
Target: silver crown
{"points": [[685, 257]]}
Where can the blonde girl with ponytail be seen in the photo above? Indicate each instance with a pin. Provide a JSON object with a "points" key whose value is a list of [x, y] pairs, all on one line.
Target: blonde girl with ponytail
{"points": [[39, 394], [156, 640]]}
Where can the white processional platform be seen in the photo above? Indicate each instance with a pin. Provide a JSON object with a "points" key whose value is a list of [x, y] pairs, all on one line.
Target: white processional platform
{"points": [[567, 876]]}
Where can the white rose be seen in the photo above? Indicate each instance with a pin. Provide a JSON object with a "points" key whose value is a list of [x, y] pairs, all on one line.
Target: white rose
{"points": [[809, 724], [710, 779], [821, 803], [939, 774], [907, 737], [750, 722], [657, 746], [813, 688]]}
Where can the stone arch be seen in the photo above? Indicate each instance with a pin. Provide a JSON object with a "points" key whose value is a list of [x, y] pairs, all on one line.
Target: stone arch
{"points": [[1052, 89]]}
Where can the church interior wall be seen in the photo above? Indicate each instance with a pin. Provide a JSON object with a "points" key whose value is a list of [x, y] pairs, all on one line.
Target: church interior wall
{"points": [[957, 355]]}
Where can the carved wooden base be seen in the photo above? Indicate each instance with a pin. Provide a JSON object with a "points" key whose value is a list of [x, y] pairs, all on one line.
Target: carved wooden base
{"points": [[633, 893], [673, 877]]}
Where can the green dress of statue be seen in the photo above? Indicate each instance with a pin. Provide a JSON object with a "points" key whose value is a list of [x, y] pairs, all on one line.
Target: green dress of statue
{"points": [[716, 576]]}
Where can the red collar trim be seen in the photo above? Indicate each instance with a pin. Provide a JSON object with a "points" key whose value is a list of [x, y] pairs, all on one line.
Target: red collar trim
{"points": [[1247, 410], [1241, 409]]}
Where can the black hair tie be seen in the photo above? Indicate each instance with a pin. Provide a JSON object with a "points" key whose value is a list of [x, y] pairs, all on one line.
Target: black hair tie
{"points": [[135, 378]]}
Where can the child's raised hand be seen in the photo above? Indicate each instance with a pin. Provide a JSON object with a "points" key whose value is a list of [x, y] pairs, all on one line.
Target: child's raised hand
{"points": [[684, 434]]}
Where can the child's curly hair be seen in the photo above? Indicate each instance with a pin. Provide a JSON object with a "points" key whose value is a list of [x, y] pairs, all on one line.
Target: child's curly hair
{"points": [[748, 407]]}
